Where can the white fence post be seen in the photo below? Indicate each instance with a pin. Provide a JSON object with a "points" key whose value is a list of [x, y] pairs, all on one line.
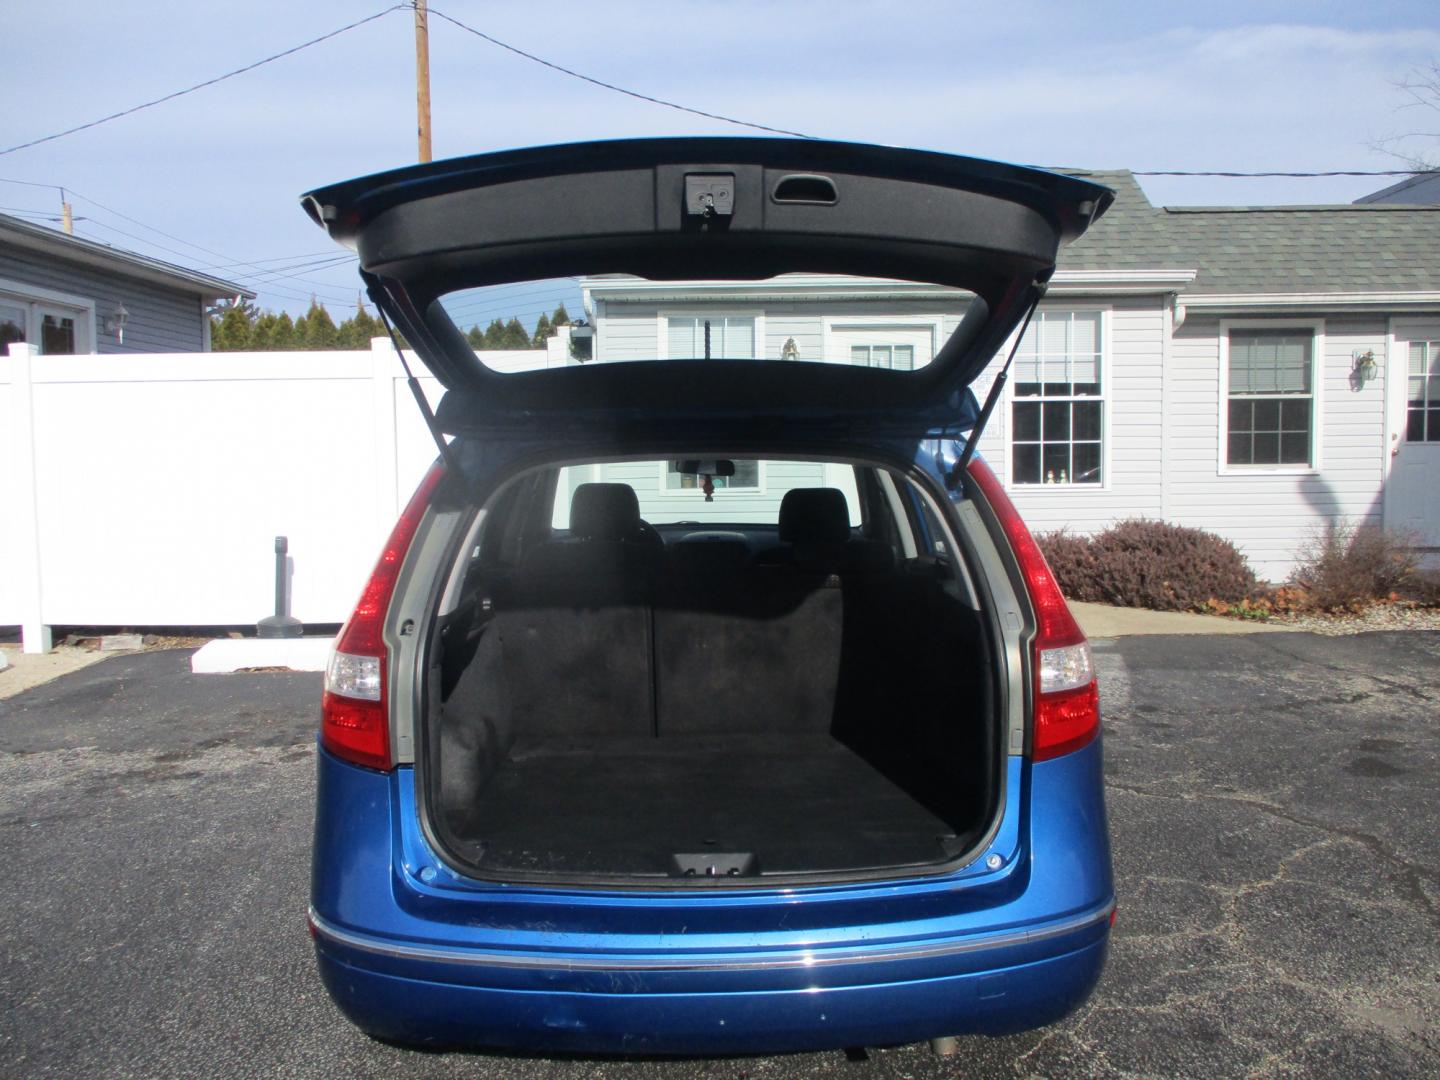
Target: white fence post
{"points": [[34, 634]]}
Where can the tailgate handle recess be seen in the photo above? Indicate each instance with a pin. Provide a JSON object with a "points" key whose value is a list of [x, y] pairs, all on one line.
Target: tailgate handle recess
{"points": [[806, 189]]}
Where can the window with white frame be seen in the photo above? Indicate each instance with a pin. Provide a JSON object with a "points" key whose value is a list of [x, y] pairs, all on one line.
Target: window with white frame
{"points": [[894, 355], [719, 337], [1270, 413], [889, 344], [55, 329], [1057, 409], [1422, 412]]}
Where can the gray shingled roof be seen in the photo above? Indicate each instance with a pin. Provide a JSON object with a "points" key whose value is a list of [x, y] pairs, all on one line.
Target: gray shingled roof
{"points": [[26, 234], [1370, 247]]}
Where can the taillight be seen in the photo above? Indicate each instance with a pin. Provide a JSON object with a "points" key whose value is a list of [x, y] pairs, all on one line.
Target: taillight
{"points": [[355, 708], [1067, 699]]}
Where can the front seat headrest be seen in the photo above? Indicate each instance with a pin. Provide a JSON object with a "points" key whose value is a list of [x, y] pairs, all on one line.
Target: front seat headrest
{"points": [[814, 517], [604, 512]]}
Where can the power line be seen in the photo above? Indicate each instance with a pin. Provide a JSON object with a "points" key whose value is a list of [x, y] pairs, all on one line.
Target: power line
{"points": [[201, 85], [611, 86], [254, 279], [260, 272], [257, 268]]}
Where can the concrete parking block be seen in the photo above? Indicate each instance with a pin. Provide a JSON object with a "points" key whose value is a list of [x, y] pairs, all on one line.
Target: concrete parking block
{"points": [[226, 655]]}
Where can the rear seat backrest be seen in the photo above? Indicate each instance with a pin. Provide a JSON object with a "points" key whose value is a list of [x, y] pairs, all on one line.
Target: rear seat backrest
{"points": [[753, 647], [575, 634]]}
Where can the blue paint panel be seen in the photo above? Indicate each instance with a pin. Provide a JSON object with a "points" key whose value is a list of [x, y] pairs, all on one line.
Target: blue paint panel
{"points": [[370, 860]]}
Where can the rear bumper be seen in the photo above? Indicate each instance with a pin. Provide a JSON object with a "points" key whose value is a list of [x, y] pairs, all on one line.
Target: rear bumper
{"points": [[425, 1007], [409, 956]]}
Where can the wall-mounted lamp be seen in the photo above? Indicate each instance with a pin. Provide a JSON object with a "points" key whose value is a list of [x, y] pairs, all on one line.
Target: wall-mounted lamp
{"points": [[1363, 368], [790, 351], [115, 324]]}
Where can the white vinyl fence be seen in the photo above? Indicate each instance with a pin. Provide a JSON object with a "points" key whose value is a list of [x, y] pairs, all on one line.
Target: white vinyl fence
{"points": [[147, 490]]}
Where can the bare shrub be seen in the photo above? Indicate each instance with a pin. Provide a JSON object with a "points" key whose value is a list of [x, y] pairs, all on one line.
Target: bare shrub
{"points": [[1149, 564], [1346, 567]]}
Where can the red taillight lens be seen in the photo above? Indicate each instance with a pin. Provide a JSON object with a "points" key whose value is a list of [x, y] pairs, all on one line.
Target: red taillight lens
{"points": [[355, 709], [1067, 698]]}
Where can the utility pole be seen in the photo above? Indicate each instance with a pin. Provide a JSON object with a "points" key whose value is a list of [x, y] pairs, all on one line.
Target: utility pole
{"points": [[67, 219], [422, 77]]}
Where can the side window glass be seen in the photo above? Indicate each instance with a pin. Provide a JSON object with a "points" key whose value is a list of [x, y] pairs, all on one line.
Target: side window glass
{"points": [[935, 532]]}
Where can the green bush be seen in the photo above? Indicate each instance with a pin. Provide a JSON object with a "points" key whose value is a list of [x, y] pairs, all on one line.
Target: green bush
{"points": [[1347, 567], [1149, 564]]}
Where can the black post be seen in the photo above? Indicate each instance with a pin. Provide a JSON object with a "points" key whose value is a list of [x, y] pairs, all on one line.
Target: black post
{"points": [[281, 624]]}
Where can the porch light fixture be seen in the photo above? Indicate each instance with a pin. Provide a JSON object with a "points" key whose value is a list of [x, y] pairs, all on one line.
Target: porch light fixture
{"points": [[115, 324], [1363, 368], [790, 351]]}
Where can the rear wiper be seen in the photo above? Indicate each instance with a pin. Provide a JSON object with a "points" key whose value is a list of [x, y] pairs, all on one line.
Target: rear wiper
{"points": [[962, 463]]}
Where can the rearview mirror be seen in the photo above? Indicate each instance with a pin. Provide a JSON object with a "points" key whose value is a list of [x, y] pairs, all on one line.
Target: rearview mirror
{"points": [[701, 467]]}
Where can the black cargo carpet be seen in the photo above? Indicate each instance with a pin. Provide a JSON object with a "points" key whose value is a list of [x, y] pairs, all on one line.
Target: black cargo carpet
{"points": [[625, 805]]}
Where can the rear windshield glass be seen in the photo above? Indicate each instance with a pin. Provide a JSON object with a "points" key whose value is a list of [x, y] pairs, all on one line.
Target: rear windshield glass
{"points": [[833, 319], [668, 496]]}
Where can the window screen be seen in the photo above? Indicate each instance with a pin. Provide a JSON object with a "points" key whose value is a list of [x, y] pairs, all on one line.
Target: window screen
{"points": [[1271, 407]]}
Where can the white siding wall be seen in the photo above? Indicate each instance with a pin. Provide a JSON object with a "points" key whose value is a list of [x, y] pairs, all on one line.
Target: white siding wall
{"points": [[630, 330], [1162, 422], [1134, 337], [1270, 515]]}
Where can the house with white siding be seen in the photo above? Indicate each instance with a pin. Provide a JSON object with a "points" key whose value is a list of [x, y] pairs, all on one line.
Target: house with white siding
{"points": [[1254, 371], [67, 295]]}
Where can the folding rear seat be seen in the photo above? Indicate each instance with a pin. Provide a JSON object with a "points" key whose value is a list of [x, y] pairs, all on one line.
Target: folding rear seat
{"points": [[576, 636]]}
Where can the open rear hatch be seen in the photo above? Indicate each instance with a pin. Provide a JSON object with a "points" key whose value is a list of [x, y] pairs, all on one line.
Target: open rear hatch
{"points": [[738, 209], [598, 709]]}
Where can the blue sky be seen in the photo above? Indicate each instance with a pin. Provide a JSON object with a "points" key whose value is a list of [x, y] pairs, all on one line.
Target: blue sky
{"points": [[1248, 86]]}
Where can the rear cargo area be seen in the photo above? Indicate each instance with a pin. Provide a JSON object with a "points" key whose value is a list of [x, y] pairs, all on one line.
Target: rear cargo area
{"points": [[645, 711]]}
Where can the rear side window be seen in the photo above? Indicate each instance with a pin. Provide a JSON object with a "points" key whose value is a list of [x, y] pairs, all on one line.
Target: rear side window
{"points": [[935, 535]]}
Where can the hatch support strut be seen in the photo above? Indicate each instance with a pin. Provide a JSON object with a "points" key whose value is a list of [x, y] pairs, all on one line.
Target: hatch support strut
{"points": [[957, 472], [446, 454]]}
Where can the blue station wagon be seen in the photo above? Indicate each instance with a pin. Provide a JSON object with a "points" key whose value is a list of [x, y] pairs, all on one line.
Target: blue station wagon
{"points": [[710, 696]]}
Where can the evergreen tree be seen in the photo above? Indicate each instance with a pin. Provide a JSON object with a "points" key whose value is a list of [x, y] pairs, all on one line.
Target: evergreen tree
{"points": [[543, 331], [515, 336], [262, 334], [319, 332], [561, 317], [495, 335], [282, 334], [232, 331], [356, 331], [368, 327], [476, 337]]}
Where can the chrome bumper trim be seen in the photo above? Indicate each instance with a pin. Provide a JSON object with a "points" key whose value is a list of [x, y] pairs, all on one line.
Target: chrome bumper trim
{"points": [[795, 958]]}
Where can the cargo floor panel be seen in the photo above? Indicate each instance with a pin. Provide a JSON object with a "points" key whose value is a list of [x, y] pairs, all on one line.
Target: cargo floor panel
{"points": [[629, 805]]}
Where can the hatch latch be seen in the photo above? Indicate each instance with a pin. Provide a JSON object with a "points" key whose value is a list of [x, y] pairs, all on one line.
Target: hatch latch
{"points": [[709, 195]]}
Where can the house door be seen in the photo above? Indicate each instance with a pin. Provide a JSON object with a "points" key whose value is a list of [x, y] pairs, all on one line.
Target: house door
{"points": [[1412, 495]]}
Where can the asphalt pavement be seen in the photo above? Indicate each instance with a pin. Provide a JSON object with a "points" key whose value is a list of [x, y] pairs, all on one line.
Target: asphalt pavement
{"points": [[1275, 806]]}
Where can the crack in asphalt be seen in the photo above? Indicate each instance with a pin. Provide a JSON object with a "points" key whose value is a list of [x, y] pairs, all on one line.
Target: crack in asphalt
{"points": [[1410, 877], [1393, 684]]}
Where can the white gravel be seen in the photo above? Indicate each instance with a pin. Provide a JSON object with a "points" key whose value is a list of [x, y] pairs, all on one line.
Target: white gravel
{"points": [[1379, 617]]}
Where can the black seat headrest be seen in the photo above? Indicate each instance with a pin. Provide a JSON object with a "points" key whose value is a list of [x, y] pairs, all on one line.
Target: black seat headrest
{"points": [[814, 516], [604, 512]]}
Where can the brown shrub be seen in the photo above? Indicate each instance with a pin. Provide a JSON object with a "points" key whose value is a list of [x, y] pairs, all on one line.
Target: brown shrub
{"points": [[1348, 567], [1149, 564], [1424, 588]]}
